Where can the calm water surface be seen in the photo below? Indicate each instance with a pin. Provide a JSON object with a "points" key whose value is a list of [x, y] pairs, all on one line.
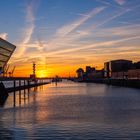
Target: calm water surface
{"points": [[72, 111]]}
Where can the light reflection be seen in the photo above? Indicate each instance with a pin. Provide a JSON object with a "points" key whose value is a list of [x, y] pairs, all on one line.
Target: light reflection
{"points": [[74, 107]]}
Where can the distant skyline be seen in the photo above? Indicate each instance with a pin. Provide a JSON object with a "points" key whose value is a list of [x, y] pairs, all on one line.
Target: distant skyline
{"points": [[63, 35]]}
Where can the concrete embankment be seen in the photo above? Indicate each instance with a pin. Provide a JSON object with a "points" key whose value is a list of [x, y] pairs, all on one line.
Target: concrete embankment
{"points": [[134, 83]]}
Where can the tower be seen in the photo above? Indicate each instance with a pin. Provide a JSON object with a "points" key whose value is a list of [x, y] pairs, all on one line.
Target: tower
{"points": [[34, 69]]}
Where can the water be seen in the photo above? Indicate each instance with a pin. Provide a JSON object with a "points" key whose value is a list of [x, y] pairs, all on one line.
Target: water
{"points": [[72, 111]]}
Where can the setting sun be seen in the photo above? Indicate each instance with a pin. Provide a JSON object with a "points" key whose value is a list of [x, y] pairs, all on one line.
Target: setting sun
{"points": [[41, 73]]}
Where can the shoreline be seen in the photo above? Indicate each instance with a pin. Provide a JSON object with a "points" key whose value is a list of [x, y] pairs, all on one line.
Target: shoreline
{"points": [[131, 83]]}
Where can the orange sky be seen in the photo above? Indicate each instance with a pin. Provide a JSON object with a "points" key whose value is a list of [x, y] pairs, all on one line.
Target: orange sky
{"points": [[71, 36]]}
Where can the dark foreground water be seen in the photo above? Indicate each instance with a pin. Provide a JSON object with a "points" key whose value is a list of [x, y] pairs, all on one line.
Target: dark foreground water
{"points": [[72, 111]]}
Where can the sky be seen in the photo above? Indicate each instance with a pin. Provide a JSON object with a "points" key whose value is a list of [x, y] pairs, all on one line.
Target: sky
{"points": [[62, 35]]}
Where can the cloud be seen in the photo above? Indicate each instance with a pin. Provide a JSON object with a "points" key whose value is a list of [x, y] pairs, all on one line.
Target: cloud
{"points": [[104, 2], [72, 26], [120, 2], [27, 31], [4, 36], [64, 34], [121, 31], [95, 45], [65, 37], [120, 13]]}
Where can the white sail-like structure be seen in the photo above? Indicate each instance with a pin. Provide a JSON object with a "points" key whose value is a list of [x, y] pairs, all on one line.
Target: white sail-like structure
{"points": [[6, 50]]}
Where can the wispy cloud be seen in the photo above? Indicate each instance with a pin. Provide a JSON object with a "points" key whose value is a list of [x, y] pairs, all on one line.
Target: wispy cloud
{"points": [[120, 13], [120, 2], [104, 2], [72, 26], [27, 31], [95, 45], [121, 31], [4, 35], [63, 35]]}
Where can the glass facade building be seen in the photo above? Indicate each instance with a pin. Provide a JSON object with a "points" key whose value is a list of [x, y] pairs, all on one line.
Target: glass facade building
{"points": [[6, 50]]}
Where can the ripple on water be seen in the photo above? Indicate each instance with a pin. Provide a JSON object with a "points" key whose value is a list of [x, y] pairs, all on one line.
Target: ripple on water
{"points": [[72, 111]]}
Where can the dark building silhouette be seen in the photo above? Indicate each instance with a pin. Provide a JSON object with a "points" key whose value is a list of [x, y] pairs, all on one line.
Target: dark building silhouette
{"points": [[106, 70], [90, 73], [80, 73], [89, 69], [122, 69], [114, 66], [136, 65]]}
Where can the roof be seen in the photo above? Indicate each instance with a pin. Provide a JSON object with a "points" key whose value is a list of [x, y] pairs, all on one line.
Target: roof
{"points": [[80, 70], [121, 60], [6, 50]]}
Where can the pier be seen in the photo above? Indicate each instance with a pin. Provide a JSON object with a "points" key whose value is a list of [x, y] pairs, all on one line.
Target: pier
{"points": [[18, 84], [23, 83]]}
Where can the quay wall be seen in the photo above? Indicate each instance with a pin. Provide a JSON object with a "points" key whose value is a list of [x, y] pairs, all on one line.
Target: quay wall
{"points": [[133, 83]]}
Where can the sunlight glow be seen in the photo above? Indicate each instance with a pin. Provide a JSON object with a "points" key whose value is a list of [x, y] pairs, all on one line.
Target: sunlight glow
{"points": [[41, 74]]}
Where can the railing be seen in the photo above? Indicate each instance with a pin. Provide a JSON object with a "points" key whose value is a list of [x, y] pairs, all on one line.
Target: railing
{"points": [[13, 85]]}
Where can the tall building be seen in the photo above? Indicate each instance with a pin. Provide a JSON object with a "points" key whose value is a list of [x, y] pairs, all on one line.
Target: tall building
{"points": [[89, 69], [6, 50], [116, 66], [80, 73], [106, 69]]}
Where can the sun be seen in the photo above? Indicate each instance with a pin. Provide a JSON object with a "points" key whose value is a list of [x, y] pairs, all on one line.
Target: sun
{"points": [[41, 74]]}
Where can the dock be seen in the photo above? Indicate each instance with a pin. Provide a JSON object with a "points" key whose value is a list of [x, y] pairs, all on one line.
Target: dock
{"points": [[18, 84], [23, 83]]}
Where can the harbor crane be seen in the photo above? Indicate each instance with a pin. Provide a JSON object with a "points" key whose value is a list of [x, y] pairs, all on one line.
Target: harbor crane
{"points": [[11, 73], [6, 70]]}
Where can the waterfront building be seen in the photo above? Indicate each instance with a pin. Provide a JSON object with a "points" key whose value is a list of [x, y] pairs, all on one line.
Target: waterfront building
{"points": [[6, 50], [98, 74], [80, 73], [90, 74], [106, 69], [136, 65], [134, 74], [89, 69], [117, 68]]}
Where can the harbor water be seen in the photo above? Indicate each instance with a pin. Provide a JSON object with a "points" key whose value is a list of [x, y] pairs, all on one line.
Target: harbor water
{"points": [[72, 111]]}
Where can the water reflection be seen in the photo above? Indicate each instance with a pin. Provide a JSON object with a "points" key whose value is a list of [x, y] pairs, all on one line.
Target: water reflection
{"points": [[72, 111]]}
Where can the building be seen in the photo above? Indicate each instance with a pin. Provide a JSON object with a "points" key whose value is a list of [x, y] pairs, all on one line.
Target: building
{"points": [[106, 69], [114, 67], [136, 65], [119, 65], [6, 50], [89, 74], [80, 73], [98, 74], [89, 69], [134, 74]]}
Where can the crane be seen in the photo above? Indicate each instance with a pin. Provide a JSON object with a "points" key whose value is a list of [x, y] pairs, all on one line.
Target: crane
{"points": [[11, 73], [6, 70]]}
